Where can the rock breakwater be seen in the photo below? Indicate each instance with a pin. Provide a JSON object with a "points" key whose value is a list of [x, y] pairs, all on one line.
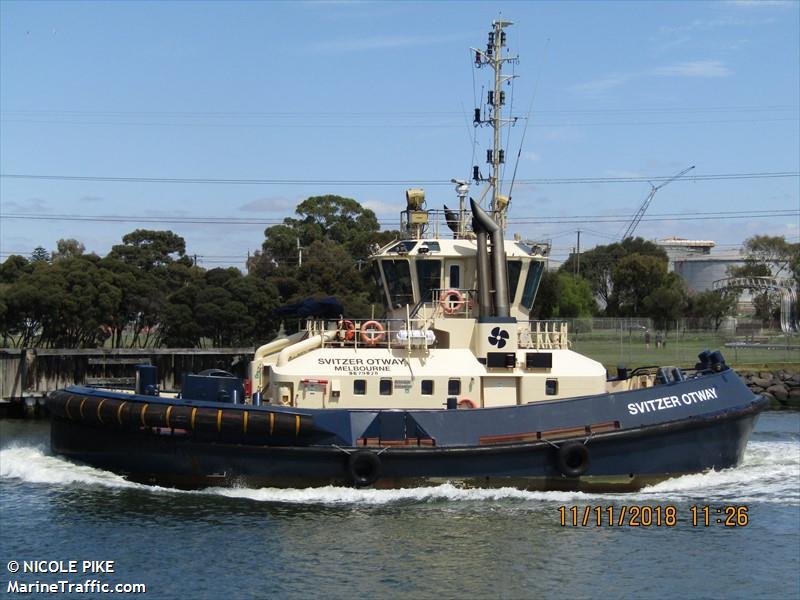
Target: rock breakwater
{"points": [[781, 387]]}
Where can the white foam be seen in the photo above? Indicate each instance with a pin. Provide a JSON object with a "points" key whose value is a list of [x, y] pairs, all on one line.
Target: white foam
{"points": [[769, 473], [32, 465], [445, 492]]}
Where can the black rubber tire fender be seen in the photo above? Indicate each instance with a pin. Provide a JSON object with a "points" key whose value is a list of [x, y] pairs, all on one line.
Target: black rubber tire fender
{"points": [[573, 459], [364, 467]]}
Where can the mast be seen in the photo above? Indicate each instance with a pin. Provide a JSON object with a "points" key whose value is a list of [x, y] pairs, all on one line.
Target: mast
{"points": [[493, 57]]}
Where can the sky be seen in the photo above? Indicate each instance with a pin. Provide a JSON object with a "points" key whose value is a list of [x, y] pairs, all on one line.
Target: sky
{"points": [[264, 104]]}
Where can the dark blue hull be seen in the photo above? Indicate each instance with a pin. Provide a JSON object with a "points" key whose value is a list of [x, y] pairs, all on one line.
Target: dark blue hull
{"points": [[610, 441]]}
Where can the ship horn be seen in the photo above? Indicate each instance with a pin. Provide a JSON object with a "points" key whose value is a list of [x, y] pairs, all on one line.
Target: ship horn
{"points": [[483, 225], [451, 218]]}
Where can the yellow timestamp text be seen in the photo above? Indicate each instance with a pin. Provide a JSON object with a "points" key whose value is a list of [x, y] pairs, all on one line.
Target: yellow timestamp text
{"points": [[653, 516]]}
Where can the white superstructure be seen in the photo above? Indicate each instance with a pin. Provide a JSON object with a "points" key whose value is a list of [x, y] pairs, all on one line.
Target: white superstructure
{"points": [[457, 330]]}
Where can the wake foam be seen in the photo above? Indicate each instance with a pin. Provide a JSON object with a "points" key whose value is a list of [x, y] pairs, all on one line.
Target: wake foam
{"points": [[31, 465], [769, 473]]}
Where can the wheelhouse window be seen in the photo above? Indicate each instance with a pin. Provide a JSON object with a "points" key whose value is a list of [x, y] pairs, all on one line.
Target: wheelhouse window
{"points": [[427, 387], [398, 280], [535, 269], [454, 387], [514, 269], [359, 387], [386, 387], [403, 247], [429, 277]]}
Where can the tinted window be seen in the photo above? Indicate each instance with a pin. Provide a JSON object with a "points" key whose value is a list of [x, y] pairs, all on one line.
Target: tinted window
{"points": [[429, 277], [427, 387], [404, 246], [455, 277], [454, 387], [514, 268], [398, 280], [386, 387], [535, 269], [359, 387]]}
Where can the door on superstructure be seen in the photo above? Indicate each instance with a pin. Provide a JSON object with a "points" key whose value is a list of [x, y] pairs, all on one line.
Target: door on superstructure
{"points": [[312, 393], [499, 391]]}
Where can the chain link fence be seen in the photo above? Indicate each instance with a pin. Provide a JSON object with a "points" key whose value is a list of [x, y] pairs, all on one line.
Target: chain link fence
{"points": [[637, 342]]}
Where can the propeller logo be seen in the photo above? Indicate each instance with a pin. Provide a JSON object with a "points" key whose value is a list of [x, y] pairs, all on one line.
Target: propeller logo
{"points": [[498, 337]]}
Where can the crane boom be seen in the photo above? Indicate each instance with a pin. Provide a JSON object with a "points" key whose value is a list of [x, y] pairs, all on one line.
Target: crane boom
{"points": [[645, 205]]}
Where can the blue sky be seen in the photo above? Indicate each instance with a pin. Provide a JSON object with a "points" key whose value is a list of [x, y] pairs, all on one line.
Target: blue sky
{"points": [[378, 91]]}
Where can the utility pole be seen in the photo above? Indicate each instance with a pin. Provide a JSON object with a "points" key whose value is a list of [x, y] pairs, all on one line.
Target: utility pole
{"points": [[299, 253], [578, 255]]}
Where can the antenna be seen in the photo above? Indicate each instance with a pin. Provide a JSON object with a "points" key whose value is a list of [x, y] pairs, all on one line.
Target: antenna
{"points": [[645, 205], [493, 57]]}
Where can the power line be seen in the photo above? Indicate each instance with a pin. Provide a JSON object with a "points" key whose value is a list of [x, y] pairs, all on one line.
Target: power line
{"points": [[332, 182], [543, 220], [359, 123]]}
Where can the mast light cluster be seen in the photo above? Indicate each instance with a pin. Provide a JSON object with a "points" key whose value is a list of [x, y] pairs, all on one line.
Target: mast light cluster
{"points": [[493, 57]]}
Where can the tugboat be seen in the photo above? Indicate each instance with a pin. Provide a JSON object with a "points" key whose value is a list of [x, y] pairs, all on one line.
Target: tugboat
{"points": [[456, 384]]}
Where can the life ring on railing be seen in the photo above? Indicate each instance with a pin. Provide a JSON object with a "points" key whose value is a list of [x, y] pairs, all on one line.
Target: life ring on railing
{"points": [[451, 301], [364, 467], [372, 333], [573, 459], [467, 403], [349, 330]]}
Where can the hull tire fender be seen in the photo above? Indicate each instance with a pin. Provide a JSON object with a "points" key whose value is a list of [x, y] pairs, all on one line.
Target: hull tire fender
{"points": [[573, 459], [364, 467]]}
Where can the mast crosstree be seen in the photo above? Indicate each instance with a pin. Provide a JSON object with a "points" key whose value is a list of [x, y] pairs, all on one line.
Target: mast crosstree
{"points": [[495, 56]]}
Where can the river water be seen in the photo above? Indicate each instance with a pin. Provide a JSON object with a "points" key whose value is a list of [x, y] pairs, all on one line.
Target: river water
{"points": [[436, 542]]}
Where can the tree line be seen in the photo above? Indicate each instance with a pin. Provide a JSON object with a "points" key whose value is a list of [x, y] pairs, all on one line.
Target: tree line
{"points": [[631, 279], [147, 291]]}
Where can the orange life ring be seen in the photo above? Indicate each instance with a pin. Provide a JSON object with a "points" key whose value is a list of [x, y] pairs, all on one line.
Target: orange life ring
{"points": [[451, 301], [372, 333], [349, 330], [467, 403]]}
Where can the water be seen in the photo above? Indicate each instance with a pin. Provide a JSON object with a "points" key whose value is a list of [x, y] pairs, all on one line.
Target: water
{"points": [[435, 542]]}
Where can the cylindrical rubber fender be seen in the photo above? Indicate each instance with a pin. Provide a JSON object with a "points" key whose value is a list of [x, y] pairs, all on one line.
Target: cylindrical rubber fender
{"points": [[364, 467], [573, 459]]}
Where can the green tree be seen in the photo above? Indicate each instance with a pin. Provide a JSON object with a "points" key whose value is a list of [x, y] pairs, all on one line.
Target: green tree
{"points": [[40, 255], [768, 256], [68, 248], [667, 303], [575, 297], [712, 306], [150, 250], [334, 236], [546, 303], [598, 266], [13, 268], [634, 278]]}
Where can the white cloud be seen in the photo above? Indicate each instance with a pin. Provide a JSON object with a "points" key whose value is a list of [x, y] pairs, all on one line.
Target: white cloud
{"points": [[31, 205], [531, 156], [761, 3], [697, 68], [269, 205], [382, 208], [596, 87]]}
